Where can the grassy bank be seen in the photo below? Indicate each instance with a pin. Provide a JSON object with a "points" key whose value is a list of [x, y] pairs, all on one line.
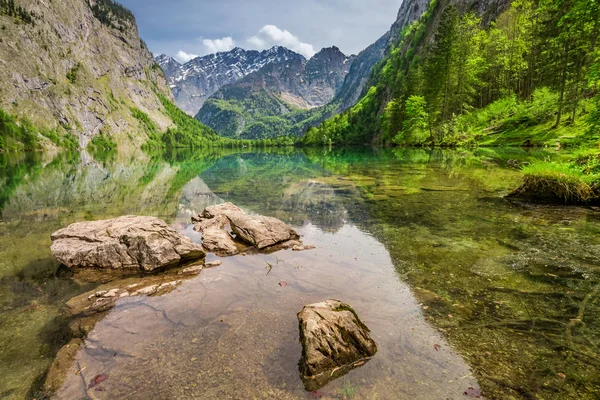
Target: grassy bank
{"points": [[576, 182]]}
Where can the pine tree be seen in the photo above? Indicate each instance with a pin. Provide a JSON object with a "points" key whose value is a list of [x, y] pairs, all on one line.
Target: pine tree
{"points": [[440, 64]]}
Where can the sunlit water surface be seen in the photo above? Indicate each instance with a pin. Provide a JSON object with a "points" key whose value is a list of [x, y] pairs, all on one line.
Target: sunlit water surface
{"points": [[460, 287]]}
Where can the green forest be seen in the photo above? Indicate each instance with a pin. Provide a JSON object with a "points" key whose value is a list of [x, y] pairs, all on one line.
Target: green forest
{"points": [[189, 133], [528, 78], [16, 135], [112, 14], [245, 113]]}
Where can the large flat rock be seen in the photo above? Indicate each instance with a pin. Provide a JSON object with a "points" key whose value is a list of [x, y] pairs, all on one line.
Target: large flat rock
{"points": [[334, 341], [128, 242]]}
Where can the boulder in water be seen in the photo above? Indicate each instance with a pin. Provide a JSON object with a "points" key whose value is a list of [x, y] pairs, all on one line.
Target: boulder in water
{"points": [[261, 231], [227, 230], [129, 242], [334, 342]]}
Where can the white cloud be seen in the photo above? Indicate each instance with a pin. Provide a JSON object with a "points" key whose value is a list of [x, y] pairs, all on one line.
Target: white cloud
{"points": [[257, 43], [270, 35], [218, 45], [184, 57]]}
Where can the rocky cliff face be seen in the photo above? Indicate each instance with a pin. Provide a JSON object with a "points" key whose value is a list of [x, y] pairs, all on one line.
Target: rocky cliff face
{"points": [[325, 75], [360, 71], [410, 11], [194, 82], [79, 66]]}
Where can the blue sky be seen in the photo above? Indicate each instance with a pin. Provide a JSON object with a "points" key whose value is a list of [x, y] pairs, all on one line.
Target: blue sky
{"points": [[187, 28]]}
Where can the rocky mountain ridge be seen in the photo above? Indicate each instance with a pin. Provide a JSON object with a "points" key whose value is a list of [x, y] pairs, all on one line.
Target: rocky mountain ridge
{"points": [[299, 82], [195, 81], [246, 108]]}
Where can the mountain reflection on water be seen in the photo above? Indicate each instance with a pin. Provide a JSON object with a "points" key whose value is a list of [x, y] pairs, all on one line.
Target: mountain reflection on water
{"points": [[460, 288]]}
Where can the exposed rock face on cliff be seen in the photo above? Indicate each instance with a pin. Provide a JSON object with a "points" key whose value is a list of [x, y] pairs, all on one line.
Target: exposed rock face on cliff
{"points": [[79, 66], [334, 342], [411, 10], [358, 76], [128, 242]]}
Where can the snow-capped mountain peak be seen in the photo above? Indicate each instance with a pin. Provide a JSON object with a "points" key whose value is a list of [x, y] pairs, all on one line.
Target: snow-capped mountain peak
{"points": [[198, 79]]}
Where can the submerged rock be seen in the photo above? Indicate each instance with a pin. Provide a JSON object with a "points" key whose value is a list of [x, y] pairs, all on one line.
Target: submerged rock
{"points": [[228, 230], [129, 242], [213, 264], [98, 301], [301, 247], [334, 342], [62, 363], [86, 309], [195, 270]]}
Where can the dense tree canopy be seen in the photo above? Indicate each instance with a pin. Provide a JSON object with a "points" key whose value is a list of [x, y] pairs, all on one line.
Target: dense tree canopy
{"points": [[536, 63]]}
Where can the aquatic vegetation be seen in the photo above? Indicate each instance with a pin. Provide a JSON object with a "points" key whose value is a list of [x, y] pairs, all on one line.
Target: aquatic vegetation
{"points": [[498, 282], [347, 392]]}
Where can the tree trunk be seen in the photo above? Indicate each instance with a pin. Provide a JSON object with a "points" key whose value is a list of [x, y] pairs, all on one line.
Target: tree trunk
{"points": [[563, 84]]}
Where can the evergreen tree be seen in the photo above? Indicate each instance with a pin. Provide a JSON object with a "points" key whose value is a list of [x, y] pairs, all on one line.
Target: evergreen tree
{"points": [[440, 67]]}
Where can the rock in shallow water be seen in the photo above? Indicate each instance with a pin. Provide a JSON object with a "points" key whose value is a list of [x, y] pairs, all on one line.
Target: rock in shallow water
{"points": [[261, 231], [220, 209], [334, 342], [127, 242], [219, 241], [227, 230]]}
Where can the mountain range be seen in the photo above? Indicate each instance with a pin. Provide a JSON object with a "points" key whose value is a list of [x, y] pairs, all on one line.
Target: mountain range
{"points": [[278, 98], [252, 95], [78, 70], [194, 82]]}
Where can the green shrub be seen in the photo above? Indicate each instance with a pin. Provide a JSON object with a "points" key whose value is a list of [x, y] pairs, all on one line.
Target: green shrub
{"points": [[15, 135], [101, 142], [73, 72], [577, 182], [415, 125], [544, 105]]}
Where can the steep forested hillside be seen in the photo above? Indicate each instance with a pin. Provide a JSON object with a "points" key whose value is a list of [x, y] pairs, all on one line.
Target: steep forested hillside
{"points": [[518, 74]]}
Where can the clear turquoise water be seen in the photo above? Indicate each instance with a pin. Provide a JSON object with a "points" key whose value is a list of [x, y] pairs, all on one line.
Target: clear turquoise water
{"points": [[421, 243]]}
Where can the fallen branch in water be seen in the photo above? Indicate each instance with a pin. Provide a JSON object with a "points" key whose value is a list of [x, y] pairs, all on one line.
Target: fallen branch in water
{"points": [[579, 319]]}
